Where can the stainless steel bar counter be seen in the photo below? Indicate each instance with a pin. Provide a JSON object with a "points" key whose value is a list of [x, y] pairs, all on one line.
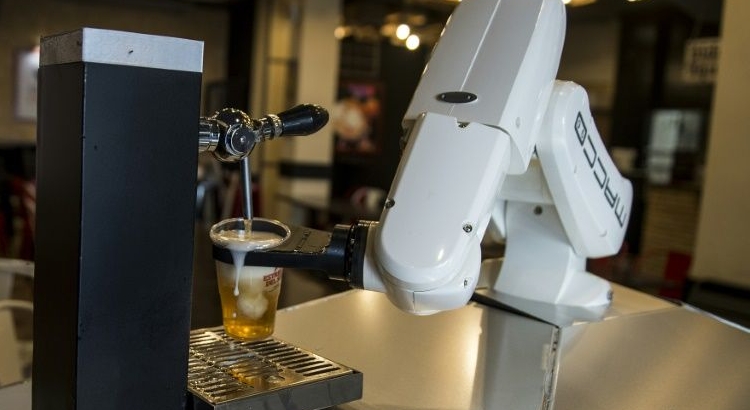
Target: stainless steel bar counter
{"points": [[643, 353]]}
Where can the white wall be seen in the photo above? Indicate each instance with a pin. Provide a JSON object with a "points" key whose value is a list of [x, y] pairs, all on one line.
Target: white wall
{"points": [[317, 82], [723, 243], [296, 61]]}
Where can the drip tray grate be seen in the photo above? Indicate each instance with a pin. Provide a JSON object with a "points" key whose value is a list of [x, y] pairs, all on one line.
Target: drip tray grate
{"points": [[229, 374]]}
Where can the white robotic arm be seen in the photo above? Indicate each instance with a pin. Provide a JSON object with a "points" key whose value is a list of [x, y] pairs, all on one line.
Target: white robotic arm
{"points": [[571, 204], [426, 247], [484, 104], [473, 119]]}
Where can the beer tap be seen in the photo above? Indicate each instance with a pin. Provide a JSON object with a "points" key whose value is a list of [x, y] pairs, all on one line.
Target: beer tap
{"points": [[231, 135]]}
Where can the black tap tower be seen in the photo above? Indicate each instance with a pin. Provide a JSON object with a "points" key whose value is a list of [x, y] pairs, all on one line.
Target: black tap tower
{"points": [[116, 171]]}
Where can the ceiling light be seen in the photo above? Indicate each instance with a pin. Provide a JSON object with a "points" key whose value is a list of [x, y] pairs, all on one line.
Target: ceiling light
{"points": [[340, 32], [402, 31], [412, 42]]}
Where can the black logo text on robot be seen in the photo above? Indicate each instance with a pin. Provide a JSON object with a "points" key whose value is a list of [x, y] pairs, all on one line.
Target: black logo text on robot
{"points": [[599, 171]]}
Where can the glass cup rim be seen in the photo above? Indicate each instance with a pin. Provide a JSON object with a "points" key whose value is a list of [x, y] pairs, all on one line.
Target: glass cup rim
{"points": [[258, 224]]}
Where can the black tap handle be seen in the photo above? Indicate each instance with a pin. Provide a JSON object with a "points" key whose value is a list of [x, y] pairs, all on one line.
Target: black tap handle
{"points": [[303, 119]]}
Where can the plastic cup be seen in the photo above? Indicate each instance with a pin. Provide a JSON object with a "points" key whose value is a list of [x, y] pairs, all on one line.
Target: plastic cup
{"points": [[249, 294]]}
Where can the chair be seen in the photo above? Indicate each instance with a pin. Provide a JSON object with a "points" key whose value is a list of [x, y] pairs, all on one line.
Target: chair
{"points": [[15, 354]]}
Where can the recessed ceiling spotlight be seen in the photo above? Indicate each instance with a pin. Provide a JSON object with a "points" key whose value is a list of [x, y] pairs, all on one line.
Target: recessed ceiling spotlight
{"points": [[403, 31], [412, 42]]}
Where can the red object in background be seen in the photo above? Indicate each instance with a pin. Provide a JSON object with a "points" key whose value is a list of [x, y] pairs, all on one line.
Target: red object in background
{"points": [[675, 275], [25, 193]]}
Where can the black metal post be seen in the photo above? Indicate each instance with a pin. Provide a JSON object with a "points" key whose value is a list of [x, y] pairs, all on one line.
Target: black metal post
{"points": [[116, 172]]}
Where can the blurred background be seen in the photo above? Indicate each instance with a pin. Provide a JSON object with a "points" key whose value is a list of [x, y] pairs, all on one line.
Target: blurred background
{"points": [[667, 81]]}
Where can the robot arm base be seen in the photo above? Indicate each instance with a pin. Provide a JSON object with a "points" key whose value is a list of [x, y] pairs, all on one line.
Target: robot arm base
{"points": [[541, 265], [584, 290]]}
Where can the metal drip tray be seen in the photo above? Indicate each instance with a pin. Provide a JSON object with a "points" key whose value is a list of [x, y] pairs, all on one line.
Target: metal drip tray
{"points": [[228, 374]]}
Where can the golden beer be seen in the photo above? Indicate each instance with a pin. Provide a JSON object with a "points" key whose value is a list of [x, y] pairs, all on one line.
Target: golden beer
{"points": [[249, 297], [249, 294]]}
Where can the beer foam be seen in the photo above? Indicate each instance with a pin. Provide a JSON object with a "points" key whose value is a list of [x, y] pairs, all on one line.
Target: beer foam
{"points": [[251, 303], [243, 241]]}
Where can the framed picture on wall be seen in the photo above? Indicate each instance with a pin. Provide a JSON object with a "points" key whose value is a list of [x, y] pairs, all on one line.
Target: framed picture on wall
{"points": [[26, 66], [357, 117]]}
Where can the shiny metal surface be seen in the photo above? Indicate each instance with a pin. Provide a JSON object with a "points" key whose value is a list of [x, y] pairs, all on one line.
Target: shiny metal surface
{"points": [[269, 374], [669, 359], [208, 135], [272, 126], [436, 362], [231, 135], [642, 353], [625, 302]]}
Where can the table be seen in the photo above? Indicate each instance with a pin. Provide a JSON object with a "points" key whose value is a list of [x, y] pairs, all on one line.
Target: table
{"points": [[643, 353]]}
